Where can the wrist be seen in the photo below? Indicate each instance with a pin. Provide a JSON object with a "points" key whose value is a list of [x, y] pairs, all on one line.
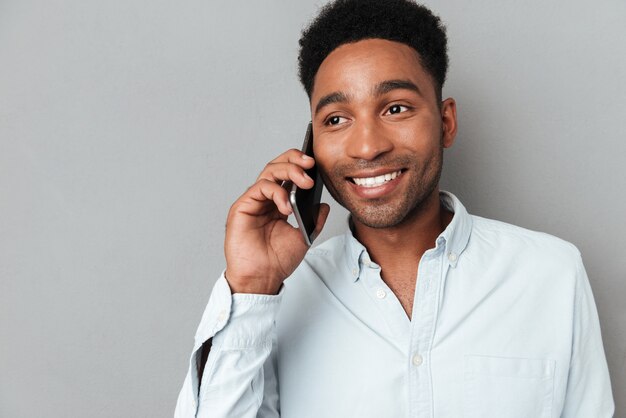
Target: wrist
{"points": [[250, 286]]}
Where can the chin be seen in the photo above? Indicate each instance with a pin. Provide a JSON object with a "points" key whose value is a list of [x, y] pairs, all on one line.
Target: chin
{"points": [[378, 218], [381, 215]]}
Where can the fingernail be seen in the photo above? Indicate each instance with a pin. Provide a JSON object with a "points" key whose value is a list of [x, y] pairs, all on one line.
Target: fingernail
{"points": [[305, 157]]}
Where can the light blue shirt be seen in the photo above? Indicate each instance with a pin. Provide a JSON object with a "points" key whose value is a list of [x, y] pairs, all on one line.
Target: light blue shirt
{"points": [[504, 325]]}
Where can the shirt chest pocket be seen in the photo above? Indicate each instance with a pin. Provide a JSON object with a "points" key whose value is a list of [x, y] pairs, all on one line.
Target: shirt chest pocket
{"points": [[508, 387]]}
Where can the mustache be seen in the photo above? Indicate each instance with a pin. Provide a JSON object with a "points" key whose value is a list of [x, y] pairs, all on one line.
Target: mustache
{"points": [[397, 162]]}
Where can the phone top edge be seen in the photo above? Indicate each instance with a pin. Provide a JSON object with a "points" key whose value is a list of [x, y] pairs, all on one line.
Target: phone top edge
{"points": [[308, 139]]}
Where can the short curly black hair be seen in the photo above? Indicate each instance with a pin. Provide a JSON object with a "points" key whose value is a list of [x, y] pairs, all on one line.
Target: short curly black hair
{"points": [[346, 21]]}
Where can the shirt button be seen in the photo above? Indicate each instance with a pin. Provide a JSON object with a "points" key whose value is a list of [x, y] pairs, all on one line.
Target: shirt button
{"points": [[380, 294], [354, 272], [221, 317], [452, 257], [417, 360]]}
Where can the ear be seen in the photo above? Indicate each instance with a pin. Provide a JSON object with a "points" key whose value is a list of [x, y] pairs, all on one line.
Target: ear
{"points": [[448, 122]]}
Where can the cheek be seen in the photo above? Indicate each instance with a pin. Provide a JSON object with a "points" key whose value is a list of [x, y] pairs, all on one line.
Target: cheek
{"points": [[421, 136], [326, 154]]}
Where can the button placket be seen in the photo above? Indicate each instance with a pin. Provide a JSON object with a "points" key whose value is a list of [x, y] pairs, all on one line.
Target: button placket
{"points": [[422, 330], [391, 314]]}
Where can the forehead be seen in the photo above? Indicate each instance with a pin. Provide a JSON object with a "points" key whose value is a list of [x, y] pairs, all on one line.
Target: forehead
{"points": [[355, 68]]}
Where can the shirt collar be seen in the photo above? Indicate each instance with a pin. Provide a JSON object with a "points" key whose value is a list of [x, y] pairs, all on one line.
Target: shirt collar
{"points": [[455, 237], [458, 231]]}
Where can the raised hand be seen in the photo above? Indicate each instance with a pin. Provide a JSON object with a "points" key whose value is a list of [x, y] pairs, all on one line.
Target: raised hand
{"points": [[262, 249]]}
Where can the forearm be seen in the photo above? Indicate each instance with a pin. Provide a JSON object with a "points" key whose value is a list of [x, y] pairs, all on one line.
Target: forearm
{"points": [[226, 375], [233, 382]]}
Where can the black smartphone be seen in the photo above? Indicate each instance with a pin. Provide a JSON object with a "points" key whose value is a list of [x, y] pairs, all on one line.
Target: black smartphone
{"points": [[306, 202]]}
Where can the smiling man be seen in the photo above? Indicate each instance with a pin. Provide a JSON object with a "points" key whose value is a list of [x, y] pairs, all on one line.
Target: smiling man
{"points": [[420, 309]]}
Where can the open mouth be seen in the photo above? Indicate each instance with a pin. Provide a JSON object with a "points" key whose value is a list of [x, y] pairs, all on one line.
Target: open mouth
{"points": [[377, 180]]}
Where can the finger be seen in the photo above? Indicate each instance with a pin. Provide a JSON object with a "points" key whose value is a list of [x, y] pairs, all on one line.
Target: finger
{"points": [[256, 198], [279, 172], [294, 156]]}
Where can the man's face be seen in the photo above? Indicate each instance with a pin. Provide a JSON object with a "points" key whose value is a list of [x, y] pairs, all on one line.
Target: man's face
{"points": [[379, 132]]}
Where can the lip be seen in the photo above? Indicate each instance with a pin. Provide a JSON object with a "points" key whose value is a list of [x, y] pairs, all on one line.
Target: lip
{"points": [[378, 191], [375, 173]]}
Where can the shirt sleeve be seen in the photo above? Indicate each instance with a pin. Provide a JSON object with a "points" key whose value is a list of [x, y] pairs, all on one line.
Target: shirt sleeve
{"points": [[239, 378], [588, 391]]}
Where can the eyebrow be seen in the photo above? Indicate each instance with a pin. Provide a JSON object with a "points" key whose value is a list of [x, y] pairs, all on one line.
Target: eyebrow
{"points": [[335, 97], [381, 88], [389, 85]]}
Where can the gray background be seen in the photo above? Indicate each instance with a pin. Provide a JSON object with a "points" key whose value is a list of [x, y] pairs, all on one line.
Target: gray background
{"points": [[127, 128]]}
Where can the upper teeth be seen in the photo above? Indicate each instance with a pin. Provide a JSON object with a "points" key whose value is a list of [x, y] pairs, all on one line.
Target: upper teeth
{"points": [[375, 181]]}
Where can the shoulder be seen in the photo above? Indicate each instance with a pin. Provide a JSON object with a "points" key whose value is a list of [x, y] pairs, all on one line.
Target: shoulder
{"points": [[526, 246], [324, 272], [498, 232], [323, 263]]}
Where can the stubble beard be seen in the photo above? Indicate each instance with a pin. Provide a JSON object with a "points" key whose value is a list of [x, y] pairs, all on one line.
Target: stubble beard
{"points": [[384, 212]]}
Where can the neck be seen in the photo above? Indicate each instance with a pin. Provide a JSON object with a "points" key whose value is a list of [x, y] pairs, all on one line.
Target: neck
{"points": [[409, 240]]}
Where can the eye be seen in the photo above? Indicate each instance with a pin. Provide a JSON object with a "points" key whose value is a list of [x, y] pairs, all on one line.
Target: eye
{"points": [[394, 109], [333, 120]]}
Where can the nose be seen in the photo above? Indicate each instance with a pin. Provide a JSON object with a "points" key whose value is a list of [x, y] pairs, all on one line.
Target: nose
{"points": [[368, 141]]}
